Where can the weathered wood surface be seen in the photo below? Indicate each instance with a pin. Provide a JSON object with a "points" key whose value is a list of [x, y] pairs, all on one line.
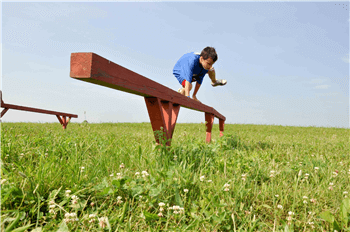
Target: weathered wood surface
{"points": [[90, 67]]}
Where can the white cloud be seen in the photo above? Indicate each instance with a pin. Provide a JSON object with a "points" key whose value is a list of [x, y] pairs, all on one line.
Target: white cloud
{"points": [[346, 58], [322, 87], [317, 81]]}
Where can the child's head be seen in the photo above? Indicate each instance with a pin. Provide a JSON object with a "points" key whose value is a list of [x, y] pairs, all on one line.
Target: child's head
{"points": [[208, 57]]}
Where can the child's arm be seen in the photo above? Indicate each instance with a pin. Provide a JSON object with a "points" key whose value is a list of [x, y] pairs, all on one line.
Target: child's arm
{"points": [[195, 91]]}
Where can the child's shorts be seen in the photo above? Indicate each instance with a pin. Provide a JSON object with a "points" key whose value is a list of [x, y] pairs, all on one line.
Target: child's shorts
{"points": [[184, 82]]}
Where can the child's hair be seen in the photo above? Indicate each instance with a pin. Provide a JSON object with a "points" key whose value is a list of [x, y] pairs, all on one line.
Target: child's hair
{"points": [[209, 52]]}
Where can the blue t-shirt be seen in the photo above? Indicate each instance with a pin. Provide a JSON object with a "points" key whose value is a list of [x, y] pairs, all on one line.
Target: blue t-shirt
{"points": [[188, 67]]}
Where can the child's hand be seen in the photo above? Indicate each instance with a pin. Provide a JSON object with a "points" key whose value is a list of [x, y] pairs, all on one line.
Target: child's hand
{"points": [[195, 98]]}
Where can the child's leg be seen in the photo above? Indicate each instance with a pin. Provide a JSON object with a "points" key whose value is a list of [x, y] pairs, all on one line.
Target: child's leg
{"points": [[182, 89], [188, 87]]}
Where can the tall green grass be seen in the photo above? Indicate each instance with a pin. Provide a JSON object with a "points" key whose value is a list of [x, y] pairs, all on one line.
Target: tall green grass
{"points": [[254, 178]]}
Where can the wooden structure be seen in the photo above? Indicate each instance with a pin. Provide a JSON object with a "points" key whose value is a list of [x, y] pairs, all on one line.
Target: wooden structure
{"points": [[62, 117], [163, 104]]}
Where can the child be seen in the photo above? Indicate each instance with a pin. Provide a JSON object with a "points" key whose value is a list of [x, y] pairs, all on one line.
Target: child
{"points": [[193, 67]]}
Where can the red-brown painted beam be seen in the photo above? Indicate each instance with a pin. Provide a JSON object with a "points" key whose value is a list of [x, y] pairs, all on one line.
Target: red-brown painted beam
{"points": [[24, 108], [4, 111], [61, 116], [90, 67], [209, 121]]}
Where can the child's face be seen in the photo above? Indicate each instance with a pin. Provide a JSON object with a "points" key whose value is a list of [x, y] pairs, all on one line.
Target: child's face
{"points": [[207, 64]]}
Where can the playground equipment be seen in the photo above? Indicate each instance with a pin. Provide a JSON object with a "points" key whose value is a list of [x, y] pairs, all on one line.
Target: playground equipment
{"points": [[62, 117], [163, 104]]}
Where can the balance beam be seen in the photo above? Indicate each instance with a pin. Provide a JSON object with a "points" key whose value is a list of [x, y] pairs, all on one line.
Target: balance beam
{"points": [[163, 104], [62, 117]]}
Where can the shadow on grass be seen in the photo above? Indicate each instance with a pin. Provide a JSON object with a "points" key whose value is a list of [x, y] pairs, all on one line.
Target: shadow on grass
{"points": [[234, 142]]}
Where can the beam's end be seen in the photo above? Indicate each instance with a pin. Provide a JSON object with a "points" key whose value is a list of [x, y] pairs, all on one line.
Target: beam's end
{"points": [[80, 65]]}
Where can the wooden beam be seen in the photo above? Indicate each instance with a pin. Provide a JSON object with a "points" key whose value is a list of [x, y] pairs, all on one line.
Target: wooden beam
{"points": [[90, 67], [24, 108]]}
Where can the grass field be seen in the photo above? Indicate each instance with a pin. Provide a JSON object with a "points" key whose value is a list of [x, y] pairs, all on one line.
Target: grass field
{"points": [[112, 177]]}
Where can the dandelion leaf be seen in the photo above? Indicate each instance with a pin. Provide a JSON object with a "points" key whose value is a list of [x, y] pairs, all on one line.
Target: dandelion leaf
{"points": [[150, 216], [327, 216], [178, 198], [22, 228], [63, 227]]}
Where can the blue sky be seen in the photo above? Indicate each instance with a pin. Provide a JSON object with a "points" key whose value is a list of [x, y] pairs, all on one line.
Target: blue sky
{"points": [[286, 62]]}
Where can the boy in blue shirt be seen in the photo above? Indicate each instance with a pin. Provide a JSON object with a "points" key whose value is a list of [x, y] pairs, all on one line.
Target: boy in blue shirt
{"points": [[193, 67]]}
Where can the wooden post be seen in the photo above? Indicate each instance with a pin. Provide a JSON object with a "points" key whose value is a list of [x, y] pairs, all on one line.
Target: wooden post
{"points": [[209, 121], [163, 116]]}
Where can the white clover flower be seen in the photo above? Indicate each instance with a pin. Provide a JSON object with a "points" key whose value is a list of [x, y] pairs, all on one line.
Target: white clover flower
{"points": [[122, 166], [316, 168], [144, 174], [175, 157], [176, 207], [3, 181], [160, 214], [209, 181], [119, 176], [202, 178], [305, 197], [345, 192], [74, 199], [103, 222], [111, 174], [290, 213], [186, 190], [52, 206], [300, 173], [277, 195], [280, 206], [82, 169], [331, 184], [305, 201], [161, 204], [226, 189], [119, 200], [313, 200], [68, 192], [226, 185], [92, 215]]}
